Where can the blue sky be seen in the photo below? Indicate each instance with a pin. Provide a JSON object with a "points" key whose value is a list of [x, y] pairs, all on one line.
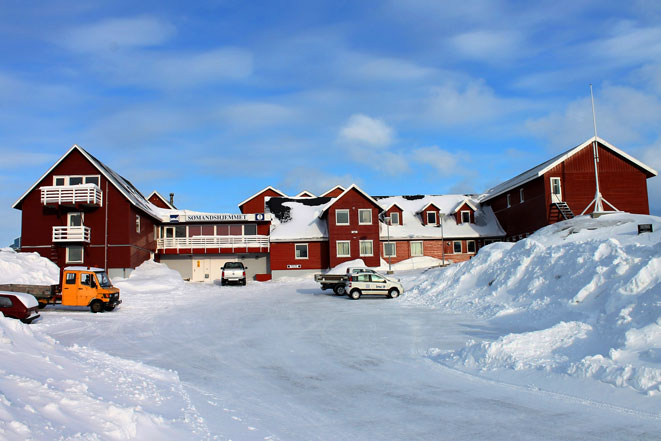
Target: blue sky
{"points": [[214, 100]]}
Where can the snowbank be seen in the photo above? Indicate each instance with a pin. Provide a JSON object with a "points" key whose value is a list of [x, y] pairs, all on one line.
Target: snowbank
{"points": [[29, 268], [580, 297], [51, 392]]}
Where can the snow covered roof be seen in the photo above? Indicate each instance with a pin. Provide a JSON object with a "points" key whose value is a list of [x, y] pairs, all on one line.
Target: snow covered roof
{"points": [[297, 219], [486, 224], [542, 168], [123, 185], [305, 194], [352, 187], [165, 201], [262, 191]]}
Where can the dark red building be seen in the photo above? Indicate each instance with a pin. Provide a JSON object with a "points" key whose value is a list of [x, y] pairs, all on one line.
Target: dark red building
{"points": [[564, 186]]}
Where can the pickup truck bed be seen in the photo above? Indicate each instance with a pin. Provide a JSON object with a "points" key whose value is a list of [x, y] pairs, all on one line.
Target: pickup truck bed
{"points": [[39, 291]]}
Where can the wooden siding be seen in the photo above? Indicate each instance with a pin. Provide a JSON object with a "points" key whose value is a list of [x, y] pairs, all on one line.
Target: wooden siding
{"points": [[464, 207], [431, 248], [522, 217], [256, 204], [284, 253], [158, 201]]}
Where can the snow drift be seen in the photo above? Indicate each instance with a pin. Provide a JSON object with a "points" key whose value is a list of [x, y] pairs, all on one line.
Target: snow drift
{"points": [[28, 268], [583, 297]]}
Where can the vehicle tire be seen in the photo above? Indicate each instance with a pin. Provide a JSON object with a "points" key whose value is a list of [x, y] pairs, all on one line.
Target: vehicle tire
{"points": [[243, 282], [354, 294], [42, 305], [96, 306], [109, 307], [340, 290], [223, 282], [393, 293]]}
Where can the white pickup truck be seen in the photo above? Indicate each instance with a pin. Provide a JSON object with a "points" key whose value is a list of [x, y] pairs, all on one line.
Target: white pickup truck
{"points": [[233, 272], [337, 282]]}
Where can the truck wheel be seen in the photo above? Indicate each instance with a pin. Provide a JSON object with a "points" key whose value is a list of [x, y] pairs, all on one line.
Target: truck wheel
{"points": [[42, 305], [109, 307], [243, 282], [393, 293], [223, 282], [355, 294], [340, 290], [96, 306]]}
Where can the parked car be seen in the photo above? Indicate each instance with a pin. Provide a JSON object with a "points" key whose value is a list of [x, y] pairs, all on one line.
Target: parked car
{"points": [[233, 272], [19, 305], [337, 282], [372, 284]]}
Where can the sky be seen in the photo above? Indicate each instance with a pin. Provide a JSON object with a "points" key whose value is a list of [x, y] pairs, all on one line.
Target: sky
{"points": [[215, 100]]}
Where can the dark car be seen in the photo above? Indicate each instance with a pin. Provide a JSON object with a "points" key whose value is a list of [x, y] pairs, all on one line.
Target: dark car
{"points": [[19, 305]]}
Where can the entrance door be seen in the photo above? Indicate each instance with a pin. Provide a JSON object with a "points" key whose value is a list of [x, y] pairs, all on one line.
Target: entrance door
{"points": [[556, 190]]}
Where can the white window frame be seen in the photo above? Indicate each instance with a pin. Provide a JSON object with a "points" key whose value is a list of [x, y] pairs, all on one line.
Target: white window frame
{"points": [[137, 223], [67, 179], [461, 248], [462, 216], [521, 199], [394, 249], [509, 200], [307, 251], [360, 248], [364, 210], [337, 248], [435, 217], [422, 248], [343, 210], [468, 242], [392, 220], [82, 219], [82, 254]]}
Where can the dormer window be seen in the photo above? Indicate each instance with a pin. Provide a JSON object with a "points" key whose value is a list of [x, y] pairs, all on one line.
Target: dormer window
{"points": [[394, 218], [465, 217], [431, 217]]}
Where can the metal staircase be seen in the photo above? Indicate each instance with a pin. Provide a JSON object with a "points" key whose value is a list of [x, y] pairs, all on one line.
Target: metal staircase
{"points": [[564, 210]]}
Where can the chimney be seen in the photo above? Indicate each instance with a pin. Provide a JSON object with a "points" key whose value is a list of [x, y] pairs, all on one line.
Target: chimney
{"points": [[171, 198]]}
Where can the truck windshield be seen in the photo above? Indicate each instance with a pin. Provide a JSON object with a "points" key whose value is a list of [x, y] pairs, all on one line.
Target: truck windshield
{"points": [[233, 265], [103, 279]]}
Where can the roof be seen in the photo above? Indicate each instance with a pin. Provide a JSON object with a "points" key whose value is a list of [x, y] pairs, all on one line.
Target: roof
{"points": [[124, 186], [305, 194], [297, 219], [466, 201], [262, 191], [544, 167], [352, 187], [165, 201], [334, 188]]}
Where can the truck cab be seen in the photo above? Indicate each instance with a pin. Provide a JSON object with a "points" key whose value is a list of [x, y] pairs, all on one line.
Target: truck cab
{"points": [[86, 286]]}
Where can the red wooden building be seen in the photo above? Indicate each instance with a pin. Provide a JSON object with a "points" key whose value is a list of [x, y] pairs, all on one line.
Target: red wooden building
{"points": [[564, 186]]}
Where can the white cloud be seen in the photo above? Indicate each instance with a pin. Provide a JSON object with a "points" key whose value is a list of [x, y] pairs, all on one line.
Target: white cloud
{"points": [[630, 45], [314, 180], [488, 45], [257, 114], [371, 68], [364, 130], [443, 161], [118, 33]]}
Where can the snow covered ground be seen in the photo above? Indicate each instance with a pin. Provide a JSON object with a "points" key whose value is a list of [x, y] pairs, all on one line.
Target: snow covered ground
{"points": [[554, 337]]}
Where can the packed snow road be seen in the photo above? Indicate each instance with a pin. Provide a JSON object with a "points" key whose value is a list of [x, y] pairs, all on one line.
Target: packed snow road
{"points": [[285, 361]]}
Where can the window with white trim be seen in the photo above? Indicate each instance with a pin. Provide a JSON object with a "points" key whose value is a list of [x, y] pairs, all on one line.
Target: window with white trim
{"points": [[341, 217], [431, 217], [394, 218], [416, 249], [76, 180], [521, 195], [470, 247], [74, 254], [301, 250], [509, 200], [343, 248], [366, 248], [365, 216], [465, 217], [250, 230], [75, 219], [456, 247], [390, 249]]}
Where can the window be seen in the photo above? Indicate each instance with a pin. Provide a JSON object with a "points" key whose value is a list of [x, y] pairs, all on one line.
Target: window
{"points": [[59, 181], [341, 217], [366, 248], [137, 223], [180, 231], [92, 180], [301, 250], [521, 195], [470, 247], [76, 180], [365, 217], [86, 279], [343, 248], [431, 217], [416, 249], [75, 219], [5, 302], [457, 247], [236, 230], [390, 249], [394, 218], [465, 217], [251, 230], [71, 279], [509, 201], [377, 279], [75, 254]]}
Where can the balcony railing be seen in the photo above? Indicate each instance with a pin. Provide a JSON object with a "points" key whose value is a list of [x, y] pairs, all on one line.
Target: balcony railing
{"points": [[72, 194], [71, 234], [213, 242]]}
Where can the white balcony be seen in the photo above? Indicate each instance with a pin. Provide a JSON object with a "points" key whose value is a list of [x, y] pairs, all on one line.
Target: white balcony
{"points": [[88, 194], [71, 234], [230, 242]]}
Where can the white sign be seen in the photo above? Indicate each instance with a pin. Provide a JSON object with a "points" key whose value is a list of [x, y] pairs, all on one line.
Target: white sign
{"points": [[293, 266], [217, 217]]}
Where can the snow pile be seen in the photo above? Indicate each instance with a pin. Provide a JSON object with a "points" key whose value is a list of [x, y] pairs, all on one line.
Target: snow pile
{"points": [[51, 392], [29, 268], [150, 277], [582, 297], [342, 267]]}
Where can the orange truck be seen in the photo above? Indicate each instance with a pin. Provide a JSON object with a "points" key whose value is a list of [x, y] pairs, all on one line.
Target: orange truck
{"points": [[80, 286]]}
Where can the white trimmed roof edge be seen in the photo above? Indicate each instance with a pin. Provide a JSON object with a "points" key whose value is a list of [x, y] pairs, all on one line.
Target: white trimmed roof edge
{"points": [[162, 198], [323, 195], [262, 191], [351, 187]]}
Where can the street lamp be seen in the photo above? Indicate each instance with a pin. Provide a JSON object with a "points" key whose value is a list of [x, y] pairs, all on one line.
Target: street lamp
{"points": [[388, 219]]}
